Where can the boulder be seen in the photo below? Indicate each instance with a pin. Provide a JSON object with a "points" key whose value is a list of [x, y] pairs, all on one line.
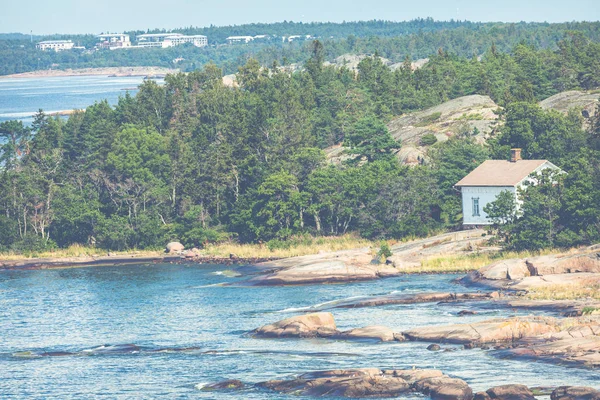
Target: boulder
{"points": [[229, 384], [505, 269], [321, 324], [506, 392], [174, 247], [575, 393], [444, 388]]}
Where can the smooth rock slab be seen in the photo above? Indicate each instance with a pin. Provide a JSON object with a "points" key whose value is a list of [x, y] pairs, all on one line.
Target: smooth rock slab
{"points": [[490, 331]]}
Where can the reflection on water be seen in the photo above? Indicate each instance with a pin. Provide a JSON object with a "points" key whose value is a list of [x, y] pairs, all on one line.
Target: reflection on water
{"points": [[166, 330]]}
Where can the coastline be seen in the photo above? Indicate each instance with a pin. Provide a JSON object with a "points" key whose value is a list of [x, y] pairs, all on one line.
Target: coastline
{"points": [[119, 260], [109, 71]]}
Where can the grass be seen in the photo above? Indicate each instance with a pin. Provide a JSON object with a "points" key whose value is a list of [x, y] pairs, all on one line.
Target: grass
{"points": [[471, 262], [75, 250], [588, 290], [305, 246], [429, 119], [470, 117]]}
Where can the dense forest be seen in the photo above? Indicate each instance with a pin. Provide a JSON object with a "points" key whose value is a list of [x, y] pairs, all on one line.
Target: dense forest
{"points": [[393, 40], [197, 161]]}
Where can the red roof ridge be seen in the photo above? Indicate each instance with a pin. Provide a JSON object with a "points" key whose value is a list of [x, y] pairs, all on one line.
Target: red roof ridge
{"points": [[501, 173]]}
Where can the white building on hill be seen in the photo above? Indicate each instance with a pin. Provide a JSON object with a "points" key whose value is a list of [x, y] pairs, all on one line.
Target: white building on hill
{"points": [[113, 41], [485, 183], [56, 45], [170, 39]]}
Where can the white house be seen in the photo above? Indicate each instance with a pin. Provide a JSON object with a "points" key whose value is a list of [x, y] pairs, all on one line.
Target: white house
{"points": [[485, 182]]}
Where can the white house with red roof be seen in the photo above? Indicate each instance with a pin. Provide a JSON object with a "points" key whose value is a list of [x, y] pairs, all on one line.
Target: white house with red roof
{"points": [[485, 183]]}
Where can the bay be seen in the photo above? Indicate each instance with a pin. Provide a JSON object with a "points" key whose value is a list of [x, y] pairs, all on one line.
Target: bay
{"points": [[20, 98]]}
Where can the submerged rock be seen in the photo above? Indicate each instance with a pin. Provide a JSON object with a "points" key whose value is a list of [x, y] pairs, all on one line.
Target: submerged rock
{"points": [[506, 392], [434, 347], [372, 382], [229, 384]]}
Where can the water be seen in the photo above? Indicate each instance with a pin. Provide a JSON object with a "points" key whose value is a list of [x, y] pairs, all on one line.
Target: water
{"points": [[189, 331], [23, 97]]}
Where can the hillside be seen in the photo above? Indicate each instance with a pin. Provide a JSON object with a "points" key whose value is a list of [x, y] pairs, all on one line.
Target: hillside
{"points": [[417, 40]]}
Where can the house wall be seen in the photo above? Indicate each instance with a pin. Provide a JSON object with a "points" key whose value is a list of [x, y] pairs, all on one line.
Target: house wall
{"points": [[485, 194]]}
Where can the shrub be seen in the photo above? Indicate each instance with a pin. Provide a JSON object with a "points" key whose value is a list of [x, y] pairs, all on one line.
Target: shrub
{"points": [[428, 139], [384, 251]]}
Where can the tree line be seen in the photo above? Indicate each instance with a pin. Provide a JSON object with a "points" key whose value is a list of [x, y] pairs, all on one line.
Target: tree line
{"points": [[197, 161], [394, 40]]}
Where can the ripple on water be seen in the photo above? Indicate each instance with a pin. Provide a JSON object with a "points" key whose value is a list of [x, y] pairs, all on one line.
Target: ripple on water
{"points": [[167, 328]]}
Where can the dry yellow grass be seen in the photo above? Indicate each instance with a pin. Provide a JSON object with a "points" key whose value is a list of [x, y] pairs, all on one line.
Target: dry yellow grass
{"points": [[588, 289], [471, 262], [76, 250], [306, 247]]}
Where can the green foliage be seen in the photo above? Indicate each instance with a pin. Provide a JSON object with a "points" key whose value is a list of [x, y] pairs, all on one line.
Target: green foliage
{"points": [[384, 251], [370, 138], [502, 212], [428, 139], [200, 162]]}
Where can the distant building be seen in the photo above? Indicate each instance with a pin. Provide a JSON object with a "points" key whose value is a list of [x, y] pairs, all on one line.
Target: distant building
{"points": [[239, 39], [484, 184], [56, 45], [169, 40], [113, 41]]}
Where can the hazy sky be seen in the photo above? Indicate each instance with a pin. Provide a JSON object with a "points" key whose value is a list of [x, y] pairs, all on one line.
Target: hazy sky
{"points": [[89, 16]]}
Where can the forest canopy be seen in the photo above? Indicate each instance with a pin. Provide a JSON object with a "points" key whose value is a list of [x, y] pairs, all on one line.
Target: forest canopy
{"points": [[198, 161]]}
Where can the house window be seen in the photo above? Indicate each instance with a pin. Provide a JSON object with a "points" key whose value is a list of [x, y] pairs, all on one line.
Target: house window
{"points": [[475, 206]]}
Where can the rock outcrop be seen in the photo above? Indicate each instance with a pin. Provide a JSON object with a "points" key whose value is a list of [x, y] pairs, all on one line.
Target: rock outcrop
{"points": [[523, 273], [322, 325], [565, 101], [372, 382], [500, 330], [357, 265]]}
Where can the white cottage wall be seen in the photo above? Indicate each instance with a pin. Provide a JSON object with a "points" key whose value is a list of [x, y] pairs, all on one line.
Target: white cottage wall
{"points": [[485, 194]]}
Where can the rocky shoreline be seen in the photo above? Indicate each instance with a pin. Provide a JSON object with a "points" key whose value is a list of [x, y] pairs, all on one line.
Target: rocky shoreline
{"points": [[382, 383], [107, 71]]}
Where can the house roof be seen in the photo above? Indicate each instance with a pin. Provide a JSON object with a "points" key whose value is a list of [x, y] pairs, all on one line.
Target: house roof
{"points": [[500, 173]]}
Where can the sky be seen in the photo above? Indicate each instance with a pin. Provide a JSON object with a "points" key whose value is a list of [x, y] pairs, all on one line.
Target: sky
{"points": [[86, 16]]}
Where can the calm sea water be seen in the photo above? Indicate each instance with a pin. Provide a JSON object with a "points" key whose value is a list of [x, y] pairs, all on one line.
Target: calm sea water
{"points": [[190, 331], [23, 97]]}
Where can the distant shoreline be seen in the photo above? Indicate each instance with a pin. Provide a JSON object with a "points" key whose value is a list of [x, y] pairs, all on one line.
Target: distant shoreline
{"points": [[109, 71]]}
